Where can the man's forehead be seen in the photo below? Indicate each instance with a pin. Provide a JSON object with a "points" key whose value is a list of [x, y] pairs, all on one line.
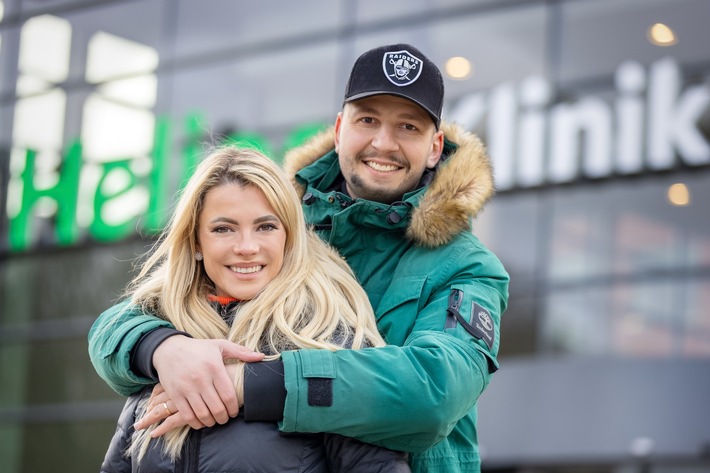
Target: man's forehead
{"points": [[380, 103]]}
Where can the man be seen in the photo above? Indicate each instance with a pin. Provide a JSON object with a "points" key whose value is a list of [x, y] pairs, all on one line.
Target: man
{"points": [[395, 190]]}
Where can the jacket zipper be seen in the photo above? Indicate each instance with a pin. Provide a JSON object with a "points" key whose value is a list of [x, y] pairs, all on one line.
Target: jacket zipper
{"points": [[191, 453]]}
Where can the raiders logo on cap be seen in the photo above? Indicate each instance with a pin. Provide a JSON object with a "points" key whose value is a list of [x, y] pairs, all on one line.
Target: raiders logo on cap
{"points": [[401, 67]]}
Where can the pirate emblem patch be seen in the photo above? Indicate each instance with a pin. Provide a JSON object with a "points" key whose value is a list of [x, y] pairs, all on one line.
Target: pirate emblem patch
{"points": [[402, 68]]}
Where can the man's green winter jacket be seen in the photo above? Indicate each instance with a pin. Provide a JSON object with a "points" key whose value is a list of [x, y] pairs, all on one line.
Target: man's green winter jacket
{"points": [[438, 295]]}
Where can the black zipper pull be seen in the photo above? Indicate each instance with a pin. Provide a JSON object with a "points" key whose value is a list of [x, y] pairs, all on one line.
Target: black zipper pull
{"points": [[455, 299]]}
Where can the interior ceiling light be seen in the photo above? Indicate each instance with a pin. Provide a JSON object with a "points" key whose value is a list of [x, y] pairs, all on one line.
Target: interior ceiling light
{"points": [[458, 67], [661, 35], [679, 195]]}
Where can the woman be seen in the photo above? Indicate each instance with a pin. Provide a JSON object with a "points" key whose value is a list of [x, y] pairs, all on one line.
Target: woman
{"points": [[237, 261]]}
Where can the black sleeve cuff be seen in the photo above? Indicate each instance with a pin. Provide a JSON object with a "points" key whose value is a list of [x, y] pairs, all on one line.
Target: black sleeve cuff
{"points": [[264, 391], [142, 353]]}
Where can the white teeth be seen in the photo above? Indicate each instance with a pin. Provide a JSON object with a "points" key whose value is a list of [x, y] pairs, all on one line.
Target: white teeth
{"points": [[381, 167], [253, 269]]}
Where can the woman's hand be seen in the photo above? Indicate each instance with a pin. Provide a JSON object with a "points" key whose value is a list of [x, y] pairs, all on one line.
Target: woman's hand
{"points": [[160, 399], [161, 408]]}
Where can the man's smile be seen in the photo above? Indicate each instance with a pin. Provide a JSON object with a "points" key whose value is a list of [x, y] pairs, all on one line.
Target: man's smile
{"points": [[382, 167]]}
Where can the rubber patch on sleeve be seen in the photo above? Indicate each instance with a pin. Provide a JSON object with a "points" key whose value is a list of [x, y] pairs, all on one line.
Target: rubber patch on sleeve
{"points": [[320, 392], [482, 324]]}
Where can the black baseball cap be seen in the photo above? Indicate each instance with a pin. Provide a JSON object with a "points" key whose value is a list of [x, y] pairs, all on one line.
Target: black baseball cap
{"points": [[401, 70]]}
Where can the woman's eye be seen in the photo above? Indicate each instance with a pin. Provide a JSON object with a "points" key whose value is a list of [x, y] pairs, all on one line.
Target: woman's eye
{"points": [[268, 227], [220, 229]]}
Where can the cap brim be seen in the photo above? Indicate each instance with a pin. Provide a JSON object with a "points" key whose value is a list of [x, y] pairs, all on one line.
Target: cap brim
{"points": [[371, 93]]}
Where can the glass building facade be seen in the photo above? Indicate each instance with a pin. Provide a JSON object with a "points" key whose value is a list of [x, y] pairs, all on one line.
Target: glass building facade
{"points": [[596, 114]]}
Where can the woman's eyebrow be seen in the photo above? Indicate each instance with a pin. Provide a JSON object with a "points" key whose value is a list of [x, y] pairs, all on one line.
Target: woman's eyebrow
{"points": [[262, 219], [267, 218]]}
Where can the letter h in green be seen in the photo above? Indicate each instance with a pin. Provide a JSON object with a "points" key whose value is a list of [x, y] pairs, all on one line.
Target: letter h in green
{"points": [[64, 193]]}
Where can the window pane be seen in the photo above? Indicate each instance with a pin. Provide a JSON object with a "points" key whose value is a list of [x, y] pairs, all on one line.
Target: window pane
{"points": [[50, 373], [577, 321], [600, 35], [207, 26], [53, 287], [696, 332], [644, 317], [76, 447], [258, 93], [665, 317], [621, 229]]}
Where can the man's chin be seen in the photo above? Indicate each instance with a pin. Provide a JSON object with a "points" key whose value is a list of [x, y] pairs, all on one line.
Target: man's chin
{"points": [[384, 196], [375, 191]]}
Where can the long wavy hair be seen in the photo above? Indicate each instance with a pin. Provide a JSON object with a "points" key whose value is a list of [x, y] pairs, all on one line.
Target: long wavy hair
{"points": [[315, 300]]}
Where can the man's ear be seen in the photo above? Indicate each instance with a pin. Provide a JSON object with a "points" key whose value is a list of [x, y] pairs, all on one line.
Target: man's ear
{"points": [[437, 147], [336, 131]]}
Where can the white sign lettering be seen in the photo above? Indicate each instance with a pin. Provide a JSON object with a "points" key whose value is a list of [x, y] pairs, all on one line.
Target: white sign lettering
{"points": [[649, 125]]}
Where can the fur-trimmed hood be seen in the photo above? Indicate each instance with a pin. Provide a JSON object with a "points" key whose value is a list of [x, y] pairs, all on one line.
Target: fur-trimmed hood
{"points": [[462, 185]]}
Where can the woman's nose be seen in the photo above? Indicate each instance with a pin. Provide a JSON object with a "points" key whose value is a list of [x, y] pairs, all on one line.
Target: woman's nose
{"points": [[246, 244]]}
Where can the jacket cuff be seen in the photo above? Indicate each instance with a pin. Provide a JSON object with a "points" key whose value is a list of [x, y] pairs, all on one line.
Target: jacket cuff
{"points": [[142, 353], [264, 391]]}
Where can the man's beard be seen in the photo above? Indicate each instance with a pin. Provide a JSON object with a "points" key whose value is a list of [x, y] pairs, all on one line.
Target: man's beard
{"points": [[384, 196]]}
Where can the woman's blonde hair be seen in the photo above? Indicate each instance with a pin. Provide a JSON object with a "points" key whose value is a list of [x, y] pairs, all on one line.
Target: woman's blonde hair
{"points": [[314, 302]]}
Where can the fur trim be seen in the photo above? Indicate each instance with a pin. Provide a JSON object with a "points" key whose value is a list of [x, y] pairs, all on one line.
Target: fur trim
{"points": [[306, 154], [462, 185]]}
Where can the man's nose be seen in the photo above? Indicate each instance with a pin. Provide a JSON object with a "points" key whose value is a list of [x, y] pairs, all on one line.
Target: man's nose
{"points": [[385, 140]]}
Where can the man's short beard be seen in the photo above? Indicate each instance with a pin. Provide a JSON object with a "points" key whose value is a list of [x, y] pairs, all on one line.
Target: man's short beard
{"points": [[376, 196]]}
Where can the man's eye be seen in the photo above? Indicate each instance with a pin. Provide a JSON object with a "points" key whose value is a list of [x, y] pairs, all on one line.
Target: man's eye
{"points": [[367, 120], [410, 127]]}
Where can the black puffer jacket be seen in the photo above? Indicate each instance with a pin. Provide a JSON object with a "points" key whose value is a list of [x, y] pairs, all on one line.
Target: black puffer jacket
{"points": [[250, 447]]}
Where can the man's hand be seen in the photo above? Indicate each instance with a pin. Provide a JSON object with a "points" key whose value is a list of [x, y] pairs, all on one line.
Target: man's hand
{"points": [[195, 380]]}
